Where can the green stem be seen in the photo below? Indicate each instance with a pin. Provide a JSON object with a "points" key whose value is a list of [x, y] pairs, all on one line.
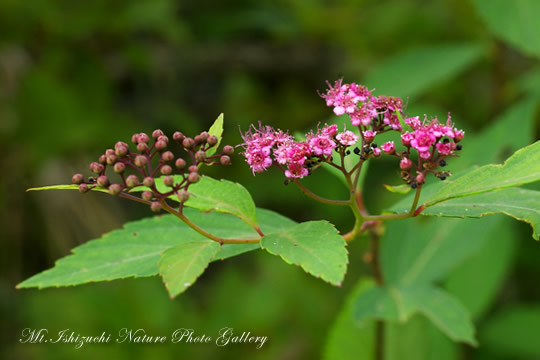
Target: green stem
{"points": [[314, 196], [406, 215]]}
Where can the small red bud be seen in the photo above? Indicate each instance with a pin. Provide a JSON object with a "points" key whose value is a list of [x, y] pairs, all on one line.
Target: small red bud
{"points": [[168, 180], [115, 189], [161, 145], [132, 181], [228, 150], [167, 156], [157, 133], [147, 195], [212, 140], [121, 151], [163, 138], [140, 160], [119, 167], [96, 168], [183, 196], [102, 159], [166, 170], [178, 136], [155, 206], [103, 181], [142, 147], [135, 138], [200, 155], [143, 138], [225, 160], [420, 178], [77, 179], [83, 188], [148, 181], [204, 136], [180, 163], [193, 169], [188, 143], [111, 159], [193, 177], [120, 144]]}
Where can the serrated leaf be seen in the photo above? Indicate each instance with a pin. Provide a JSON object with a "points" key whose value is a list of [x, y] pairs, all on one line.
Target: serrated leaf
{"points": [[223, 196], [513, 21], [521, 204], [316, 246], [398, 189], [134, 250], [346, 340], [216, 130], [400, 303], [181, 265], [445, 62]]}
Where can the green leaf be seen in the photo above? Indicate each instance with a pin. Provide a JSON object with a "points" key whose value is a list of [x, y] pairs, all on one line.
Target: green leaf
{"points": [[530, 82], [521, 204], [404, 125], [223, 196], [513, 21], [316, 246], [65, 187], [134, 250], [411, 73], [398, 189], [400, 303], [181, 265], [521, 168], [415, 252], [216, 130], [346, 340], [513, 332], [478, 280]]}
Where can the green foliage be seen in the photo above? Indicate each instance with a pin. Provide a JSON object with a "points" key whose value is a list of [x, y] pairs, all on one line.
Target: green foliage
{"points": [[515, 21], [398, 189], [181, 265], [216, 130], [400, 303], [316, 246]]}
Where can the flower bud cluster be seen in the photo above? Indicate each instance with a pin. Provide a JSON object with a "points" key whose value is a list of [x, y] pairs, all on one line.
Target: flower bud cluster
{"points": [[149, 158]]}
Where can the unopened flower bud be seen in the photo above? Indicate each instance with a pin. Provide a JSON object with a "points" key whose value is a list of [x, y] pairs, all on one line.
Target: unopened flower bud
{"points": [[163, 138], [389, 147], [157, 133], [155, 206], [200, 155], [369, 136], [197, 139], [142, 147], [109, 152], [168, 180], [121, 151], [377, 152], [167, 156], [166, 170], [120, 144], [405, 164], [178, 136], [188, 143], [193, 177], [143, 138], [212, 140], [103, 181], [193, 169], [96, 168], [458, 135], [183, 196], [420, 178], [228, 150], [135, 138], [140, 160], [119, 167], [115, 189], [147, 195], [132, 181], [148, 181], [102, 159], [204, 136], [180, 163], [161, 145], [111, 159], [225, 160], [77, 179], [83, 188]]}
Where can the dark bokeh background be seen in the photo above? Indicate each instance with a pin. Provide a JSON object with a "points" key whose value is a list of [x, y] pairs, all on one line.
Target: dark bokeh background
{"points": [[77, 76]]}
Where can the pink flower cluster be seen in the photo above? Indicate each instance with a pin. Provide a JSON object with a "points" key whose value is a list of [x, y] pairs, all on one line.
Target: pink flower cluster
{"points": [[265, 146]]}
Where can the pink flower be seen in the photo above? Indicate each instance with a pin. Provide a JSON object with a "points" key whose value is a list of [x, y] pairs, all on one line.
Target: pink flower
{"points": [[344, 98], [329, 130], [444, 149], [458, 135], [364, 115], [258, 159], [296, 171], [423, 139], [392, 120], [377, 152], [389, 147], [425, 155], [369, 135], [321, 145], [298, 153], [420, 178], [406, 138], [347, 138], [414, 122], [405, 164]]}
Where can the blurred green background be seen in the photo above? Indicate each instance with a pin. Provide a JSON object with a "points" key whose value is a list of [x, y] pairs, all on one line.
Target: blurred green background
{"points": [[77, 76]]}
